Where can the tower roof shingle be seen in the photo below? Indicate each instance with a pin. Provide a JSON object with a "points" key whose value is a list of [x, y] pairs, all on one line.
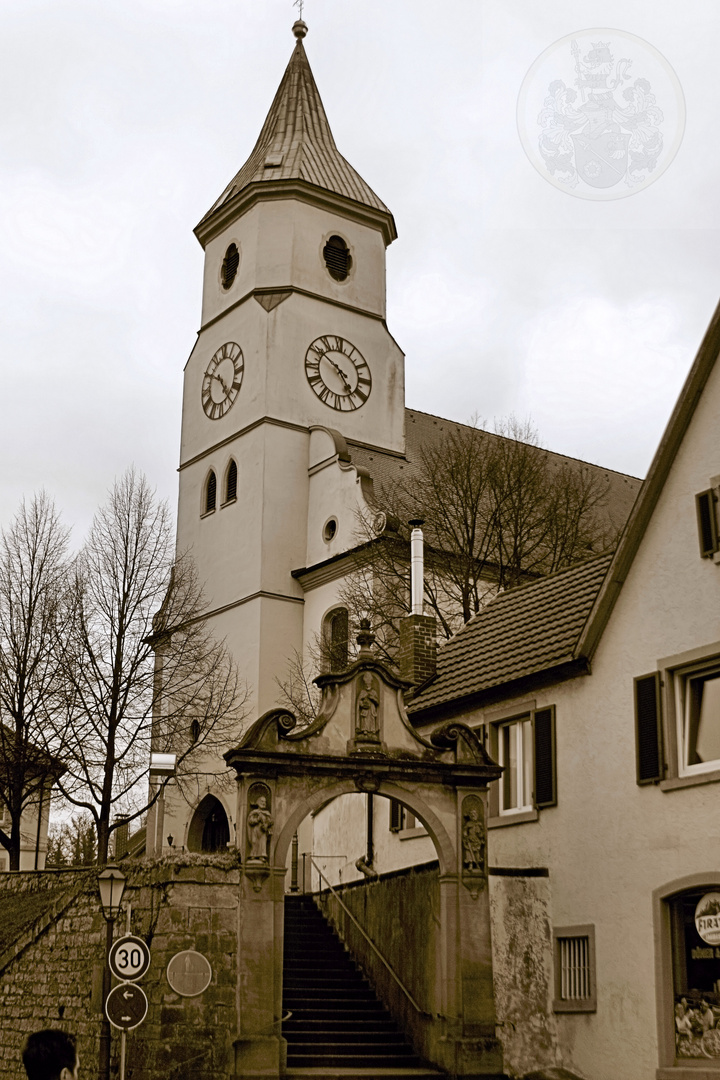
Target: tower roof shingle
{"points": [[296, 143]]}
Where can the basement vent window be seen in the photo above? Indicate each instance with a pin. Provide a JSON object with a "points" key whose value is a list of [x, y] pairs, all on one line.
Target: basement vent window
{"points": [[574, 969], [337, 258], [230, 266]]}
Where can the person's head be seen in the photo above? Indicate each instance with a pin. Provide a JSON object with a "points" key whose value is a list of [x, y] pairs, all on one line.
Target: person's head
{"points": [[50, 1055]]}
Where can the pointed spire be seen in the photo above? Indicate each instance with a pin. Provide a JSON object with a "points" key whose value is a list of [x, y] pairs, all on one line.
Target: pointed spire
{"points": [[296, 143]]}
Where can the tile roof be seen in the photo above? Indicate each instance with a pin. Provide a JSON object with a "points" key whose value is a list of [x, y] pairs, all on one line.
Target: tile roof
{"points": [[296, 143], [424, 430], [521, 632]]}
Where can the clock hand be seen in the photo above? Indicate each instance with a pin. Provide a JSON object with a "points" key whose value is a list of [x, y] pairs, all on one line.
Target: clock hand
{"points": [[341, 373], [222, 382]]}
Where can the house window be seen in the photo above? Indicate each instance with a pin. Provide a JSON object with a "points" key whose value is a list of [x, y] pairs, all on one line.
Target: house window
{"points": [[400, 817], [697, 709], [210, 493], [516, 757], [574, 948], [231, 483], [525, 747], [677, 720]]}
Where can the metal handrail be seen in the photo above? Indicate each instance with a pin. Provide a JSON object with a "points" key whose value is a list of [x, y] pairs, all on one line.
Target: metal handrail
{"points": [[371, 943]]}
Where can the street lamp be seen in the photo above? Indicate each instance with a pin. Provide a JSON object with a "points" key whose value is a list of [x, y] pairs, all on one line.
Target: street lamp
{"points": [[111, 883]]}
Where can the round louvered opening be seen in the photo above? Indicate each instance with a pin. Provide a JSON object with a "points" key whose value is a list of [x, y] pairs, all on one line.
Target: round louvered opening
{"points": [[329, 529], [230, 266], [337, 258]]}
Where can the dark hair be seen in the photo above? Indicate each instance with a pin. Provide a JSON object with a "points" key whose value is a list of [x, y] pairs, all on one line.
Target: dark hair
{"points": [[47, 1053]]}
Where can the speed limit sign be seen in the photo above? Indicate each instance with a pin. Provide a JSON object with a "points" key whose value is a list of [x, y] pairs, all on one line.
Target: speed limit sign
{"points": [[129, 958]]}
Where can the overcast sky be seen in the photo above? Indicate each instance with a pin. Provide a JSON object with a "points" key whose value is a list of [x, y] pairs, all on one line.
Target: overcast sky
{"points": [[122, 122]]}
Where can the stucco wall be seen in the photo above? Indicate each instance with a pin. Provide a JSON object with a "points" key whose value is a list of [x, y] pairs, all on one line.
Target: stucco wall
{"points": [[522, 969]]}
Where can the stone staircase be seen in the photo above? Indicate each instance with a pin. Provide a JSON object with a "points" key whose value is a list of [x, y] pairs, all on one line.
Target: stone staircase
{"points": [[336, 1025]]}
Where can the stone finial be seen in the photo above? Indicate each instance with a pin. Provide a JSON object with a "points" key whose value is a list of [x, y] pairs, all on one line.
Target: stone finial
{"points": [[365, 638], [299, 29]]}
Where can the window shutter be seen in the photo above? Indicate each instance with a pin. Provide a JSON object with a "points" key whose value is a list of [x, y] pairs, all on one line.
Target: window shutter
{"points": [[396, 815], [648, 729], [231, 492], [707, 523], [210, 493], [545, 774]]}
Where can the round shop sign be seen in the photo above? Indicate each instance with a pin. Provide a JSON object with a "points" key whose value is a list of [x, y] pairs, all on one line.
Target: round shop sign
{"points": [[707, 918], [189, 973]]}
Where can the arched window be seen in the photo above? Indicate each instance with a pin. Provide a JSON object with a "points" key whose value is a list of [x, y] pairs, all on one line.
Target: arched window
{"points": [[210, 493], [231, 482], [335, 637], [209, 829]]}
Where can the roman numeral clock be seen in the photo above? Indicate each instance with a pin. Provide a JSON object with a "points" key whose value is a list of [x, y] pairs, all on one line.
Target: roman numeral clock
{"points": [[338, 373], [222, 380]]}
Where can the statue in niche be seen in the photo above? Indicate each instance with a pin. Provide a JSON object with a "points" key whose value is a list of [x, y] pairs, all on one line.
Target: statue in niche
{"points": [[259, 829], [366, 710], [473, 840]]}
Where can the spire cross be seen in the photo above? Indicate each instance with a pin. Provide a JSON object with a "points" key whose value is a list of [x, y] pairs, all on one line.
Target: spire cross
{"points": [[300, 4]]}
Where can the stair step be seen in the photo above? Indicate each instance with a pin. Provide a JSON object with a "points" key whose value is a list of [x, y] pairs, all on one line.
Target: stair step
{"points": [[354, 1037], [316, 1060], [337, 1025]]}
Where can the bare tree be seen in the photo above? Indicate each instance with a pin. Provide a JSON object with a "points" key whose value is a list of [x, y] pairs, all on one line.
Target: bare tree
{"points": [[33, 566], [73, 842], [142, 671], [498, 510]]}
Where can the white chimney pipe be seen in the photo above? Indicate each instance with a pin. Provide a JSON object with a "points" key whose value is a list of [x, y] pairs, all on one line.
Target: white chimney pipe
{"points": [[416, 567]]}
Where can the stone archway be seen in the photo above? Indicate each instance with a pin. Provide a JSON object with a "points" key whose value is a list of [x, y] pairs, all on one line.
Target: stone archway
{"points": [[362, 741]]}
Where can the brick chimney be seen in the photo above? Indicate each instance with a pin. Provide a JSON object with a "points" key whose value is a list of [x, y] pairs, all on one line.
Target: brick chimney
{"points": [[417, 657]]}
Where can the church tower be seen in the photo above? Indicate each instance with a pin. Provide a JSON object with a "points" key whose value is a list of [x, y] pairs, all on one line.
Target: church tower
{"points": [[293, 341]]}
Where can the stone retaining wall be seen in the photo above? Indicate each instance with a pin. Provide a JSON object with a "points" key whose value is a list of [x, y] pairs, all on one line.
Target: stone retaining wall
{"points": [[52, 975]]}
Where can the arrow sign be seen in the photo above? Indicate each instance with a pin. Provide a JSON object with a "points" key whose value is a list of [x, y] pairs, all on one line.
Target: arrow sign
{"points": [[126, 1006], [129, 958]]}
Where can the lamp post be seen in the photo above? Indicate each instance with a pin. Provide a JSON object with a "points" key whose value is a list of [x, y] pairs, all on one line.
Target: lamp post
{"points": [[111, 883]]}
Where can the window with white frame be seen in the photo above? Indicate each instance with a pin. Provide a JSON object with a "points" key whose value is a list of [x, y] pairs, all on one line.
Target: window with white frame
{"points": [[677, 719], [574, 969], [515, 754], [697, 710], [524, 745]]}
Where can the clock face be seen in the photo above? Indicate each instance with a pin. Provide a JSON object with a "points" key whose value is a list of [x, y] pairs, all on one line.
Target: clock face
{"points": [[338, 373], [222, 380]]}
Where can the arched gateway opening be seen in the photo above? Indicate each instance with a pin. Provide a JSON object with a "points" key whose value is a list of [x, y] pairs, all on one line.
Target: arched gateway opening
{"points": [[209, 829], [362, 741]]}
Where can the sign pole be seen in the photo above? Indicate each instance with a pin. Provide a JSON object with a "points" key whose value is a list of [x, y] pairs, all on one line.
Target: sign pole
{"points": [[123, 1033]]}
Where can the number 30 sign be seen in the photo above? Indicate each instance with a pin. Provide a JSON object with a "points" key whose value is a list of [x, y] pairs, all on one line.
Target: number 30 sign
{"points": [[129, 958]]}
